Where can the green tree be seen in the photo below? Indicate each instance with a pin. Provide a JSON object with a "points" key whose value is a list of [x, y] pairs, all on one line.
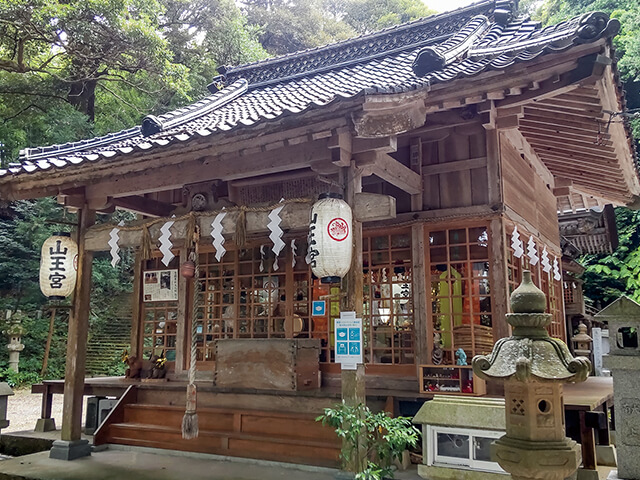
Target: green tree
{"points": [[366, 16], [609, 276], [288, 26]]}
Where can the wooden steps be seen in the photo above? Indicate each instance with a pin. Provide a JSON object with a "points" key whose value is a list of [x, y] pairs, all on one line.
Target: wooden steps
{"points": [[267, 435]]}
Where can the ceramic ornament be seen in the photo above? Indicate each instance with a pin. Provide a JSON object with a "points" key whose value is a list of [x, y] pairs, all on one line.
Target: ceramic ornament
{"points": [[516, 243], [546, 265], [165, 243], [532, 251], [218, 237], [556, 270], [294, 251]]}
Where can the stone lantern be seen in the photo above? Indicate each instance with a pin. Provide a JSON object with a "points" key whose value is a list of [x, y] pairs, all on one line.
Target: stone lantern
{"points": [[623, 318], [533, 366], [582, 342], [14, 331]]}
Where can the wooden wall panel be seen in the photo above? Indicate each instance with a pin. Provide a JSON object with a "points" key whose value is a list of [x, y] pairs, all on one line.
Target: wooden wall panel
{"points": [[465, 182], [526, 193]]}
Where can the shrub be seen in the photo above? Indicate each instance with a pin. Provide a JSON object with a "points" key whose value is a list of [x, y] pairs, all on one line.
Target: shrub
{"points": [[378, 436]]}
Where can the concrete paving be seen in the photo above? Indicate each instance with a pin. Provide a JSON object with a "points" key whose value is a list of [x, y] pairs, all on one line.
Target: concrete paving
{"points": [[133, 463]]}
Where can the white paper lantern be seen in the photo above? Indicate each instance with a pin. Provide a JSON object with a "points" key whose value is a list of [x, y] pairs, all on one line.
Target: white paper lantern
{"points": [[58, 266], [330, 242]]}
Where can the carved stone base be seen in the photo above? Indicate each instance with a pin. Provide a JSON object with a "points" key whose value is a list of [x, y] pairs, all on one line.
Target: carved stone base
{"points": [[63, 450], [527, 460]]}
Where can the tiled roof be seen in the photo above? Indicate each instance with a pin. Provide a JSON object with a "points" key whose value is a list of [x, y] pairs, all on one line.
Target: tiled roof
{"points": [[462, 43]]}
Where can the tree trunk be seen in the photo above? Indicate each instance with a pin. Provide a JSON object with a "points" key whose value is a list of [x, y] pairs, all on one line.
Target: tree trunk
{"points": [[82, 95]]}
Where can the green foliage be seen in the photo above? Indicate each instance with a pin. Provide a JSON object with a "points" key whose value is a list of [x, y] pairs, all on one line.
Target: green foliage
{"points": [[609, 276], [377, 436], [19, 379], [366, 16]]}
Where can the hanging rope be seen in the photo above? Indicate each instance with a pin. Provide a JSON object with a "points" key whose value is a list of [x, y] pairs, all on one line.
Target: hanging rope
{"points": [[190, 418]]}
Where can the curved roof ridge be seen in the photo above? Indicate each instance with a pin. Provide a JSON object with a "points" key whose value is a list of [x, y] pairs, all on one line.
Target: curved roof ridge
{"points": [[357, 49]]}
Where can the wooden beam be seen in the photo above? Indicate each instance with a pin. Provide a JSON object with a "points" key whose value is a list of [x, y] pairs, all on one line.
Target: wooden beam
{"points": [[144, 206], [394, 172], [455, 166], [378, 144], [369, 207], [77, 336], [212, 168]]}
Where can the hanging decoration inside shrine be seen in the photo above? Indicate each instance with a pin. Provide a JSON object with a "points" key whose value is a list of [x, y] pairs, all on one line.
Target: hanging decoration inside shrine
{"points": [[557, 276], [516, 243], [330, 243], [262, 256], [276, 234], [165, 243], [532, 251], [58, 266], [218, 237], [545, 262]]}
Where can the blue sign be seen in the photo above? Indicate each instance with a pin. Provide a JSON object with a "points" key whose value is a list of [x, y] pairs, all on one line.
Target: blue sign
{"points": [[348, 331], [319, 308]]}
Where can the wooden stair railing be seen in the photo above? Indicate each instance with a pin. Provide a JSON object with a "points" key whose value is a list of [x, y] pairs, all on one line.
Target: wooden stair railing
{"points": [[116, 415]]}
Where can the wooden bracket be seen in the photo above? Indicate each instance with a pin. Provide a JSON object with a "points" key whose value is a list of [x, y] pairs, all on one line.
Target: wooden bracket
{"points": [[389, 169]]}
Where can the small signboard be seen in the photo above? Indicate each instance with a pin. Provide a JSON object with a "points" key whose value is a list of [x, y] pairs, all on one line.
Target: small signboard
{"points": [[319, 308], [596, 334], [160, 286], [348, 340]]}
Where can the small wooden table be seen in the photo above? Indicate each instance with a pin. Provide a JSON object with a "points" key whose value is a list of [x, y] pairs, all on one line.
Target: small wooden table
{"points": [[587, 407]]}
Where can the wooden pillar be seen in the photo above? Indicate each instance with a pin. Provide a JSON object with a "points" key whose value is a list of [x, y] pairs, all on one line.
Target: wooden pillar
{"points": [[353, 390], [183, 326], [137, 331], [419, 278], [77, 336], [498, 279], [353, 381]]}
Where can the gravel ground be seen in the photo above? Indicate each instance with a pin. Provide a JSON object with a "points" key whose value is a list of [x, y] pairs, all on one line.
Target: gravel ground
{"points": [[23, 410]]}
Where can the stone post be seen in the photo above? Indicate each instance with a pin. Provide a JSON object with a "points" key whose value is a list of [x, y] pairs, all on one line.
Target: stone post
{"points": [[533, 366], [14, 331], [623, 317]]}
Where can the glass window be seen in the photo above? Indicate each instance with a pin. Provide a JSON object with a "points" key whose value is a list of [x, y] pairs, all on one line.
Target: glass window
{"points": [[461, 304], [388, 299]]}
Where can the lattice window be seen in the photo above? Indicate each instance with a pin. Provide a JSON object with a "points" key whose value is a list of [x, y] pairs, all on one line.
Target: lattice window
{"points": [[461, 303], [388, 299]]}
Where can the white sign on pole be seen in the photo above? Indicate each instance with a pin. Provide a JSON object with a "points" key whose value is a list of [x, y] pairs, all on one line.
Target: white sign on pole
{"points": [[596, 335], [348, 340]]}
